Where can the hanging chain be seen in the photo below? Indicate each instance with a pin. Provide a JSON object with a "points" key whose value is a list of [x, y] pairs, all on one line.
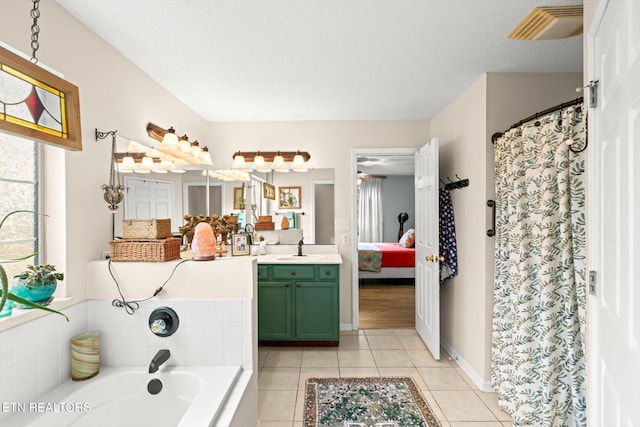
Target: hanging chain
{"points": [[35, 30], [113, 172]]}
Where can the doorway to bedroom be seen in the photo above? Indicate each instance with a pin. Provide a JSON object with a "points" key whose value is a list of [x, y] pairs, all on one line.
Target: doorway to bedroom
{"points": [[384, 291]]}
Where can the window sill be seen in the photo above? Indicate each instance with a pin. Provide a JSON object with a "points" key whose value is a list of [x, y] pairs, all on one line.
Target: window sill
{"points": [[21, 316]]}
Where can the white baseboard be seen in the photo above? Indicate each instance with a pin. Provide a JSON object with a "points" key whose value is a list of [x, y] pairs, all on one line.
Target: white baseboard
{"points": [[473, 375], [346, 327]]}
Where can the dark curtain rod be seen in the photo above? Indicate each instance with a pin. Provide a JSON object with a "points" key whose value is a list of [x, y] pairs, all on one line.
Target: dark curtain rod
{"points": [[561, 106]]}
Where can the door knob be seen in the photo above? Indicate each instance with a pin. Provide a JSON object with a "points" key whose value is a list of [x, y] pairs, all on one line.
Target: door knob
{"points": [[441, 258], [430, 258]]}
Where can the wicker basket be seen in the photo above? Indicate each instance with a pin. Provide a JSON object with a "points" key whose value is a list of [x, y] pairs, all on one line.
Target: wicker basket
{"points": [[145, 250], [146, 228]]}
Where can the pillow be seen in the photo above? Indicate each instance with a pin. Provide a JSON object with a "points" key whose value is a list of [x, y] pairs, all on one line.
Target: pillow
{"points": [[408, 239]]}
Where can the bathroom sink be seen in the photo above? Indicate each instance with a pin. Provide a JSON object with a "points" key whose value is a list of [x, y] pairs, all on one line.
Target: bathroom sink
{"points": [[295, 258]]}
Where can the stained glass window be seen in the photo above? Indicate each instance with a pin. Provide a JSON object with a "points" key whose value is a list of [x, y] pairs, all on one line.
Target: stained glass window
{"points": [[38, 104]]}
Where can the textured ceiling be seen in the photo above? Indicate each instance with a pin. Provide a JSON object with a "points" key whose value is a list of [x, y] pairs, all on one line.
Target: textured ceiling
{"points": [[257, 60]]}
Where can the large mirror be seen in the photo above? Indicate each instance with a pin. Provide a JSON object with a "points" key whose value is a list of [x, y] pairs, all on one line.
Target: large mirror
{"points": [[308, 199]]}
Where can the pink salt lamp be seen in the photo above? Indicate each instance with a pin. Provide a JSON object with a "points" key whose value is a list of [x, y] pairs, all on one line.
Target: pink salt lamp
{"points": [[203, 245]]}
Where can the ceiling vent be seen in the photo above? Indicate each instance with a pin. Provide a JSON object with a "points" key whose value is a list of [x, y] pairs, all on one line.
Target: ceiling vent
{"points": [[550, 23]]}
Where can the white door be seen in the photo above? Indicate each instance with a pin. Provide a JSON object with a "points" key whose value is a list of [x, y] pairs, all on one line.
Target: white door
{"points": [[614, 216], [427, 248], [147, 199]]}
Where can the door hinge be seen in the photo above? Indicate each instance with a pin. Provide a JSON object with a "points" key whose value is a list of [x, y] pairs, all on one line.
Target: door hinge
{"points": [[593, 279], [593, 92]]}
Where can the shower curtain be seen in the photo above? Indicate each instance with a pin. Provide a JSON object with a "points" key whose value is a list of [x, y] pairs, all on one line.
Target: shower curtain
{"points": [[539, 325], [370, 210]]}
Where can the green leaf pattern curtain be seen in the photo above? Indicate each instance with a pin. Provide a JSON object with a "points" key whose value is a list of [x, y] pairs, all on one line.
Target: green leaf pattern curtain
{"points": [[539, 324]]}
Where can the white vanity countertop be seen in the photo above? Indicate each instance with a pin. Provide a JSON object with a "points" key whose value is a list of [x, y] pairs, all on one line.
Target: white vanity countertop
{"points": [[312, 258], [312, 254]]}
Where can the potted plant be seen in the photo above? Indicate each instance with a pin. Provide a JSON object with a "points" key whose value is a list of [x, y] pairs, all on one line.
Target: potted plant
{"points": [[37, 283], [5, 294]]}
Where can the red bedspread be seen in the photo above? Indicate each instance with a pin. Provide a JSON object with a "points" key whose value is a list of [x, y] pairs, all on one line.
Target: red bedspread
{"points": [[396, 255]]}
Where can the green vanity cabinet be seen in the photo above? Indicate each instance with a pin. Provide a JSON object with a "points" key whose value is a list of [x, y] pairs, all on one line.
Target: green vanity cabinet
{"points": [[299, 303], [274, 302]]}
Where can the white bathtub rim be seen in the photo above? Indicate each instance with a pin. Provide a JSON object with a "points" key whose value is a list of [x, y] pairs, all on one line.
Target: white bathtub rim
{"points": [[218, 383]]}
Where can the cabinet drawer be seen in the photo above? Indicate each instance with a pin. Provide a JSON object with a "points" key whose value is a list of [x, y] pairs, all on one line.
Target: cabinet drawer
{"points": [[299, 272], [263, 272], [328, 272]]}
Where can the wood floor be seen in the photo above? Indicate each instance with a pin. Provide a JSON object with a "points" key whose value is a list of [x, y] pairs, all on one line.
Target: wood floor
{"points": [[387, 306]]}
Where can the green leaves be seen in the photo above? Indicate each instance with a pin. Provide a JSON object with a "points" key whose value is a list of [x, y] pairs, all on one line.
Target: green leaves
{"points": [[4, 282]]}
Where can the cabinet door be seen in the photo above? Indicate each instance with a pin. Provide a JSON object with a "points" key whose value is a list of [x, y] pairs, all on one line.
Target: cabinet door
{"points": [[316, 311], [274, 311]]}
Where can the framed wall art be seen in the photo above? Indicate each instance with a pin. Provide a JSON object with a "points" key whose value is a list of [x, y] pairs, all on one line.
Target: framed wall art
{"points": [[238, 198], [240, 244], [289, 198], [268, 191]]}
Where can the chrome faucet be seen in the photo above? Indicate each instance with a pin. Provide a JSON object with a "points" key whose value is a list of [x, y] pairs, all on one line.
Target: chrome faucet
{"points": [[160, 357], [300, 243]]}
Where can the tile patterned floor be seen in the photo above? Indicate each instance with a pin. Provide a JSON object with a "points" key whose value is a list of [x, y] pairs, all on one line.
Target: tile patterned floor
{"points": [[453, 397]]}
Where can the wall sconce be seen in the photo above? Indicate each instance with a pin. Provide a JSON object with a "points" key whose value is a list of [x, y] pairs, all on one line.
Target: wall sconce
{"points": [[278, 161], [114, 190]]}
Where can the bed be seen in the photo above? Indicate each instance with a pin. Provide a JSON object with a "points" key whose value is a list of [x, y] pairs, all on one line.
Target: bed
{"points": [[385, 260]]}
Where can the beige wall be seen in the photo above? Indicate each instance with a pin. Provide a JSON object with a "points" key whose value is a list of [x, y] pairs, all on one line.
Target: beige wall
{"points": [[491, 104], [114, 95], [461, 129]]}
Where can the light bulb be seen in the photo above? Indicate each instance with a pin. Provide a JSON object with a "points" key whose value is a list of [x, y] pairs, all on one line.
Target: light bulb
{"points": [[206, 156], [298, 164], [260, 165], [147, 163], [154, 153], [128, 163], [195, 149], [170, 138], [238, 162], [184, 144], [278, 164]]}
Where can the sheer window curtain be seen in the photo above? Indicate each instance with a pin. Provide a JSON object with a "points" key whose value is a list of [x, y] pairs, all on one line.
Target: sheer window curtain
{"points": [[370, 210], [539, 314]]}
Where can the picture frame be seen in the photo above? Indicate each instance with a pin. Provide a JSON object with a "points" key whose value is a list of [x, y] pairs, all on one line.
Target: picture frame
{"points": [[240, 244], [238, 198], [268, 191], [289, 198]]}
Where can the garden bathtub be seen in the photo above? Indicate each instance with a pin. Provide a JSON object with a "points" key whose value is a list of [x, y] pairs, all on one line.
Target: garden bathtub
{"points": [[191, 396]]}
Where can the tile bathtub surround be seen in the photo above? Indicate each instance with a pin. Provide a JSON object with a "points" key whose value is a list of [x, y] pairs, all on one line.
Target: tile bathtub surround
{"points": [[35, 356], [454, 399], [211, 332]]}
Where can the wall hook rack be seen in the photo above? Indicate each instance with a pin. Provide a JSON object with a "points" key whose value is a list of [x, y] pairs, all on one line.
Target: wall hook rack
{"points": [[454, 185]]}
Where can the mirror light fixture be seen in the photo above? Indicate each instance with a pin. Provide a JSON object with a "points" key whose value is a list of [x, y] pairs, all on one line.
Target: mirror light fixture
{"points": [[114, 190], [278, 160], [180, 148]]}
